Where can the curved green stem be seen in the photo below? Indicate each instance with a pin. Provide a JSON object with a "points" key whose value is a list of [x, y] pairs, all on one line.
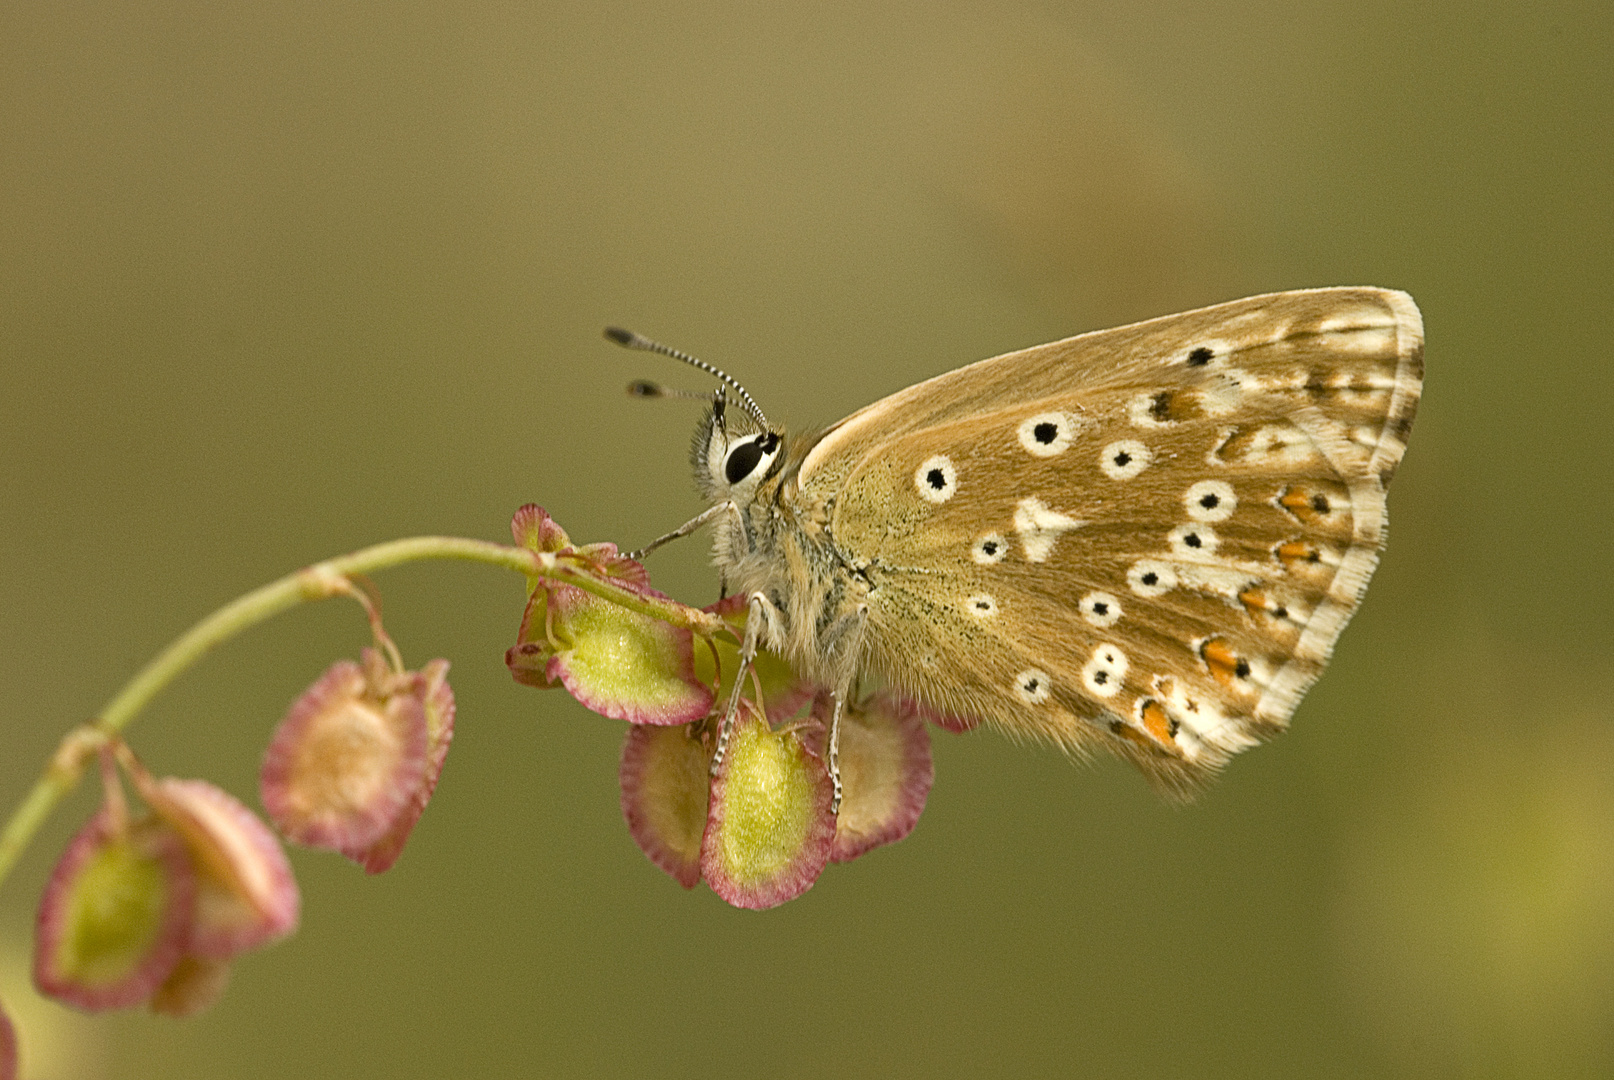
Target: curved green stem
{"points": [[325, 579]]}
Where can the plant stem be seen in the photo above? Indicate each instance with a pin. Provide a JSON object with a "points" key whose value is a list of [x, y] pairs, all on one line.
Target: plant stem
{"points": [[325, 579]]}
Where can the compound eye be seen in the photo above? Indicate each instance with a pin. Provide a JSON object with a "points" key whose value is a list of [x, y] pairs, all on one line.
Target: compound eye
{"points": [[748, 456]]}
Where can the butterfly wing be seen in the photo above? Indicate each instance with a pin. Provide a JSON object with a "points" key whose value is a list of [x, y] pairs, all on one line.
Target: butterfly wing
{"points": [[1146, 539], [1308, 328]]}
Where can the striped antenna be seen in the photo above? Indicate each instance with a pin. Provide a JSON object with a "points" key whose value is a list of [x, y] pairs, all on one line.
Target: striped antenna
{"points": [[629, 340], [648, 389]]}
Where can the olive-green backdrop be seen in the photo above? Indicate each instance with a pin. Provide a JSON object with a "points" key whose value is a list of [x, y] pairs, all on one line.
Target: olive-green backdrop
{"points": [[278, 280]]}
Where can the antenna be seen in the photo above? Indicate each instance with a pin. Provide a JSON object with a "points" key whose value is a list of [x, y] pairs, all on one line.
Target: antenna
{"points": [[629, 340], [647, 389]]}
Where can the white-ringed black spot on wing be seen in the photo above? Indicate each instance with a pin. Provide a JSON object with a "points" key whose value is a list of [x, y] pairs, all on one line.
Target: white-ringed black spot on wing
{"points": [[1150, 578], [1106, 671], [1199, 357], [1210, 500], [1193, 540], [1100, 609], [936, 479], [982, 606], [989, 549], [1124, 459], [1031, 686], [1047, 434]]}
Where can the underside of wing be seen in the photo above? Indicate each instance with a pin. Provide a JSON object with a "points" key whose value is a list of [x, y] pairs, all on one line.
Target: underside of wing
{"points": [[1281, 341], [1158, 565]]}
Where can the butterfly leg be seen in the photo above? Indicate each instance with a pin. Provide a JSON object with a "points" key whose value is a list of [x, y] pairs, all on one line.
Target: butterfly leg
{"points": [[756, 613], [686, 528], [843, 642], [835, 754]]}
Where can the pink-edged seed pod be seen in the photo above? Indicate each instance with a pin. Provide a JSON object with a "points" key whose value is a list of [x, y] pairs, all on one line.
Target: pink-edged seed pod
{"points": [[886, 773], [348, 759], [769, 828], [192, 987], [533, 528], [116, 914], [615, 662], [664, 796], [246, 894], [8, 1047], [437, 698]]}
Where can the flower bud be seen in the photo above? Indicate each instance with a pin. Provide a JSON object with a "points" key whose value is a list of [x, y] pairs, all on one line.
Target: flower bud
{"points": [[533, 528], [116, 914]]}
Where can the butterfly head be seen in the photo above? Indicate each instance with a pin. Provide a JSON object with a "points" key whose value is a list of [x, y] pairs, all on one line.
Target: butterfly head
{"points": [[733, 454]]}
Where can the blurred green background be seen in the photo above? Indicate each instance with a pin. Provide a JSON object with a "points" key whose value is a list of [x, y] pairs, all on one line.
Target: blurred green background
{"points": [[279, 280]]}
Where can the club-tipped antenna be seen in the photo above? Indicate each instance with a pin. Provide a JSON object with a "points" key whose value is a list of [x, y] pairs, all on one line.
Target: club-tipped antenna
{"points": [[646, 388], [629, 340]]}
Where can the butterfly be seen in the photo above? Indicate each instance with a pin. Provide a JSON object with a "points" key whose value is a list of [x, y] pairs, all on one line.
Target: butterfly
{"points": [[1144, 540]]}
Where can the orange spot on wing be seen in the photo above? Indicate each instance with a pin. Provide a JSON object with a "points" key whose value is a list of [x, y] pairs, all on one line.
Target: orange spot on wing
{"points": [[1143, 742], [1254, 601], [1222, 661], [1295, 500], [1297, 553], [1157, 723]]}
